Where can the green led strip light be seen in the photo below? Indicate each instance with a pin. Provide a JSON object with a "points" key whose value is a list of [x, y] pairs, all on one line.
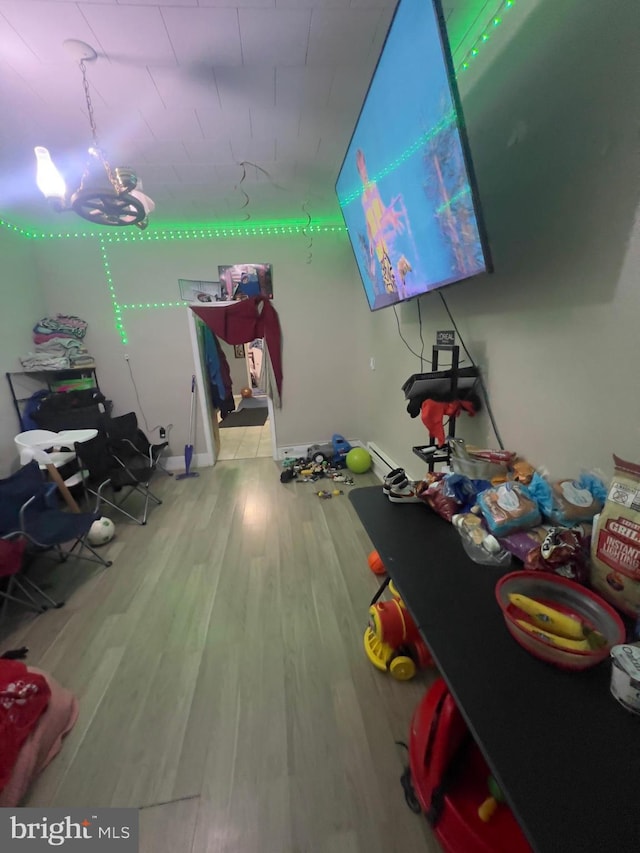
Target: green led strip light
{"points": [[485, 36], [10, 227], [138, 305], [117, 308], [200, 232]]}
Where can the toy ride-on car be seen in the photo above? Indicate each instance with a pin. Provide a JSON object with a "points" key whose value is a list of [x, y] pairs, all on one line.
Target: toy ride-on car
{"points": [[333, 452]]}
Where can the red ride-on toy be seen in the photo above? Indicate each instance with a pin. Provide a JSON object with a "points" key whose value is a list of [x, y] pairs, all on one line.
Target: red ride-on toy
{"points": [[449, 779]]}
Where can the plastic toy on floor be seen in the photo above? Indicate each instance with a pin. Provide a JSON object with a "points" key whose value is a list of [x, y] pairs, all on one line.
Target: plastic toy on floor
{"points": [[392, 641]]}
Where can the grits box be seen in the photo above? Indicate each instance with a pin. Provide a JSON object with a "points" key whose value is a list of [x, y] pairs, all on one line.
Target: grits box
{"points": [[615, 550]]}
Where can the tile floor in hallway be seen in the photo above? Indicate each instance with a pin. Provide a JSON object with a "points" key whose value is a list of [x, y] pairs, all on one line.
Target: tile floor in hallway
{"points": [[246, 442]]}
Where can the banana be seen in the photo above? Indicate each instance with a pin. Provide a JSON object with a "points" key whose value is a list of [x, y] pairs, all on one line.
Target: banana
{"points": [[553, 639], [549, 619]]}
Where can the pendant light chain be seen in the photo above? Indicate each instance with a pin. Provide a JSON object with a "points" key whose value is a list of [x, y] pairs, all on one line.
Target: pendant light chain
{"points": [[94, 132]]}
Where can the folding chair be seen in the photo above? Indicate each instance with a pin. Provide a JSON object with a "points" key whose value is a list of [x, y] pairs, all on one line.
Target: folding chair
{"points": [[29, 515], [102, 470], [131, 445]]}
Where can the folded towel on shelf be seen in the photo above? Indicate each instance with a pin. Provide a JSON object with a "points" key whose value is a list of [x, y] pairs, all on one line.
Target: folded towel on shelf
{"points": [[56, 339], [68, 324], [44, 361]]}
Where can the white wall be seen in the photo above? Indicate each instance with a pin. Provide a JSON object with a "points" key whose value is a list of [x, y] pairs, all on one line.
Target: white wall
{"points": [[554, 135], [23, 306], [316, 303]]}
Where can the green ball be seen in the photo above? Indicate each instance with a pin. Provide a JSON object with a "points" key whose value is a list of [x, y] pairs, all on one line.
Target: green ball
{"points": [[358, 460]]}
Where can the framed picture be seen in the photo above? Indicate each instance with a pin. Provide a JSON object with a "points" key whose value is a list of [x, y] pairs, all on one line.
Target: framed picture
{"points": [[200, 291], [238, 350], [246, 280]]}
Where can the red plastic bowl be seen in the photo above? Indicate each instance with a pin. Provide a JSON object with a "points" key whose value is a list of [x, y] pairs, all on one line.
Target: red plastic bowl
{"points": [[568, 597]]}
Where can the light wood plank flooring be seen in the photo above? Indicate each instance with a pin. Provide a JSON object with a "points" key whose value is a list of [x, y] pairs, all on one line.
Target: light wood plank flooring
{"points": [[222, 682]]}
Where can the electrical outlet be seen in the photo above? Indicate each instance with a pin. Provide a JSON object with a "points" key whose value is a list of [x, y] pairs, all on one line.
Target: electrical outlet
{"points": [[372, 363], [126, 356]]}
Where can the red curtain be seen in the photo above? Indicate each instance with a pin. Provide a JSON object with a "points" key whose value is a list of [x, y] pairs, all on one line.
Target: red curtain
{"points": [[245, 320]]}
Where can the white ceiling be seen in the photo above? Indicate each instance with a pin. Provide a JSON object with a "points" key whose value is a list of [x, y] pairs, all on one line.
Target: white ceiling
{"points": [[184, 91]]}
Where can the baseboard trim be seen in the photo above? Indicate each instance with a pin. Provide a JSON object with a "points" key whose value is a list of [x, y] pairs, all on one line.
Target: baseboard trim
{"points": [[382, 463]]}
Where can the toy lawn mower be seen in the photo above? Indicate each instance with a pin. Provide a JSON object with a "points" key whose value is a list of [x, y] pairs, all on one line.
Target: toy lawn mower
{"points": [[392, 641]]}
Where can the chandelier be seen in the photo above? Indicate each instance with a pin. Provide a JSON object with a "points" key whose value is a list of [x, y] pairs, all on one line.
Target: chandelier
{"points": [[105, 195]]}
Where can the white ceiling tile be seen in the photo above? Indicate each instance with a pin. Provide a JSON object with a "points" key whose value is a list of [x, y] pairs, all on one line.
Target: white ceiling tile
{"points": [[229, 173], [217, 150], [215, 123], [120, 86], [312, 4], [157, 176], [339, 36], [374, 4], [274, 121], [194, 173], [131, 34], [165, 152], [247, 87], [221, 4], [254, 149], [178, 86], [349, 88], [306, 86], [180, 3], [173, 123], [45, 33], [204, 36], [274, 33], [303, 147], [13, 49]]}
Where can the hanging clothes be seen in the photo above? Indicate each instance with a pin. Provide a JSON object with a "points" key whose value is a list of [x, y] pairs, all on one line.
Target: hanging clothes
{"points": [[218, 373], [245, 320]]}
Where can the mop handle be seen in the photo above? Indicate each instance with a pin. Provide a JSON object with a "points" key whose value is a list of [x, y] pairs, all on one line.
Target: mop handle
{"points": [[193, 406]]}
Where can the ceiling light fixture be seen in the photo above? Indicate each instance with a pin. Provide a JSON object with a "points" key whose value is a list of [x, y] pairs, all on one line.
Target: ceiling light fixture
{"points": [[105, 196]]}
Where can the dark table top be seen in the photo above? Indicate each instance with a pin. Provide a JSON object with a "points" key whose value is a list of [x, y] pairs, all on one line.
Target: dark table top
{"points": [[565, 753]]}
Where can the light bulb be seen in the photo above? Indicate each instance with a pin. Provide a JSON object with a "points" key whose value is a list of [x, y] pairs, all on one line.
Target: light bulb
{"points": [[49, 180]]}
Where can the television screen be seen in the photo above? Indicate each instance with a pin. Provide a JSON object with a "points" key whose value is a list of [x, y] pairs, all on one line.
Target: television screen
{"points": [[406, 187]]}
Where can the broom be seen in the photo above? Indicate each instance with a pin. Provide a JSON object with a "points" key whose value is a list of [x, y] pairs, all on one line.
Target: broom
{"points": [[188, 448]]}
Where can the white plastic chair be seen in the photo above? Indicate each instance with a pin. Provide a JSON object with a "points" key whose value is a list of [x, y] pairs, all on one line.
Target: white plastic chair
{"points": [[44, 446]]}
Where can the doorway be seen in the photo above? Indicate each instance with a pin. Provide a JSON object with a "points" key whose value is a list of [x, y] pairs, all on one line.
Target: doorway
{"points": [[248, 432]]}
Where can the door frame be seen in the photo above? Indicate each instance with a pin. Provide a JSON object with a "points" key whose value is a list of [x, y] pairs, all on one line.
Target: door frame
{"points": [[206, 419]]}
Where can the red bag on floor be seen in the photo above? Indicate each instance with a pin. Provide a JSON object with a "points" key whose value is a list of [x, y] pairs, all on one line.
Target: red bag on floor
{"points": [[24, 697]]}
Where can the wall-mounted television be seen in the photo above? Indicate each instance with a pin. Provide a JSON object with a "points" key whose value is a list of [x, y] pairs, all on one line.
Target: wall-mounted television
{"points": [[406, 186]]}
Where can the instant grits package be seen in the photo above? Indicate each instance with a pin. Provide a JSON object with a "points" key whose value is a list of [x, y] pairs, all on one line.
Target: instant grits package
{"points": [[615, 547]]}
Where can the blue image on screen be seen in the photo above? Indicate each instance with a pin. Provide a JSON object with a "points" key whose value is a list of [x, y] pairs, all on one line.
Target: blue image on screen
{"points": [[404, 186]]}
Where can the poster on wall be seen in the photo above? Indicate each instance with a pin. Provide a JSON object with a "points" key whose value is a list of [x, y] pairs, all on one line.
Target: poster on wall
{"points": [[200, 291], [247, 280]]}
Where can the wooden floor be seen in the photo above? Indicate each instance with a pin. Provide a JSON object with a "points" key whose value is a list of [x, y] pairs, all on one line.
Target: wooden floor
{"points": [[222, 682]]}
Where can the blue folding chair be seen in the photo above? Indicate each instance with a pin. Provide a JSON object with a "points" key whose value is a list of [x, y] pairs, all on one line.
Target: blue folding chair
{"points": [[28, 512]]}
